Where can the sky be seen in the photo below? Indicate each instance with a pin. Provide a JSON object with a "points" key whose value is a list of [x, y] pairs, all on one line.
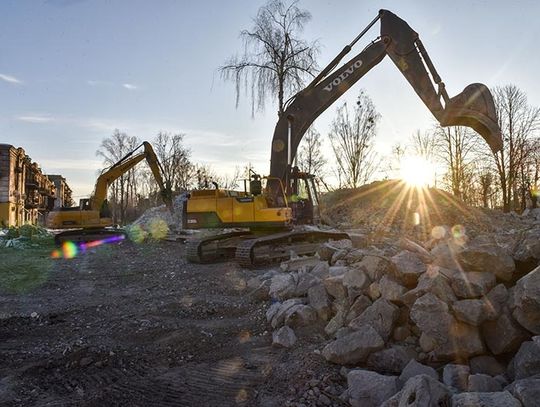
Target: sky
{"points": [[72, 71]]}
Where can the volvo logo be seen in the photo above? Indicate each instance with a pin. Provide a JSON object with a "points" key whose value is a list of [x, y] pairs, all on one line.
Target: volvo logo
{"points": [[343, 76]]}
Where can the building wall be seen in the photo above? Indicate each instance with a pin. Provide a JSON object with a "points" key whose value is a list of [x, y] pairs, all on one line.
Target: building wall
{"points": [[26, 194]]}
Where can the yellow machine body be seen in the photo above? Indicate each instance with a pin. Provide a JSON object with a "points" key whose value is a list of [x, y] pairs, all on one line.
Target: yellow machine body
{"points": [[218, 208], [77, 218]]}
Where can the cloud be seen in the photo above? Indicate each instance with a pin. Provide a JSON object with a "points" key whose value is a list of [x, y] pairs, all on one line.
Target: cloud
{"points": [[10, 79], [35, 119], [59, 165], [130, 86], [91, 82]]}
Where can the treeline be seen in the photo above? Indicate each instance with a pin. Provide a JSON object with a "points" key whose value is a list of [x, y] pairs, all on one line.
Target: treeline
{"points": [[136, 190], [465, 165]]}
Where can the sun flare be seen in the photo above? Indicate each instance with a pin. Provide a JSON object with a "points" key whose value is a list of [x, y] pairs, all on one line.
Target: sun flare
{"points": [[417, 171]]}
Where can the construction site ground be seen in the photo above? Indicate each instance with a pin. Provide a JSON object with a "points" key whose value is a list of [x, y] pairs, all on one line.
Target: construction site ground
{"points": [[134, 324]]}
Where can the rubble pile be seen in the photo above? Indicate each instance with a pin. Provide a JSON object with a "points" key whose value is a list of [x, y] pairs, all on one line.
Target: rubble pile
{"points": [[388, 208], [451, 321], [158, 221]]}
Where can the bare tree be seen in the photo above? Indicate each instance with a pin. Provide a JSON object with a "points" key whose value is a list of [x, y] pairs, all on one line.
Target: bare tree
{"points": [[351, 137], [123, 191], [275, 59], [175, 160], [310, 156], [456, 147], [424, 145], [519, 122]]}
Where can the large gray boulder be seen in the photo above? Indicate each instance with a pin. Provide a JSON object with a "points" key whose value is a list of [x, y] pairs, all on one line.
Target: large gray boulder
{"points": [[445, 255], [359, 305], [487, 365], [391, 360], [381, 315], [470, 311], [483, 383], [370, 389], [334, 286], [424, 391], [527, 391], [497, 399], [432, 317], [300, 315], [391, 290], [436, 281], [526, 362], [487, 257], [503, 335], [472, 284], [413, 368], [456, 376], [527, 250], [374, 266], [526, 306], [318, 299], [355, 281], [353, 348], [408, 267], [284, 337]]}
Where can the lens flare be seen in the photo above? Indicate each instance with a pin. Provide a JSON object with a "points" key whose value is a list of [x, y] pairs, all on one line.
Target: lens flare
{"points": [[417, 171], [70, 250]]}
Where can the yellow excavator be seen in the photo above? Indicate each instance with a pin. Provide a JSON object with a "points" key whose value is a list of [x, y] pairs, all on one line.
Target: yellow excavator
{"points": [[92, 220], [290, 196]]}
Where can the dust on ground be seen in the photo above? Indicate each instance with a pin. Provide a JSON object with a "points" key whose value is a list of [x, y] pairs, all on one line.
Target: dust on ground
{"points": [[136, 325]]}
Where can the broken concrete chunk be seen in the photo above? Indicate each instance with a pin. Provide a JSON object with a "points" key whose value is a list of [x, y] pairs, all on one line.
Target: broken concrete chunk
{"points": [[487, 257], [284, 336], [526, 306], [527, 391], [456, 376], [424, 390], [470, 311], [391, 360], [359, 305], [334, 286], [487, 365], [413, 368], [497, 399], [483, 383], [381, 315], [472, 284], [526, 363], [503, 335], [391, 290], [370, 389], [353, 348], [300, 263], [408, 267], [300, 315], [318, 299]]}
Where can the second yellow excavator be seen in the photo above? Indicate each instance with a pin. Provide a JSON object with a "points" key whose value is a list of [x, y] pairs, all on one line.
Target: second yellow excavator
{"points": [[92, 220], [290, 197]]}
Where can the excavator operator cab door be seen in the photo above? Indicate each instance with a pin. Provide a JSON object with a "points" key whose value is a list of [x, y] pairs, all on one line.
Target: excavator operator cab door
{"points": [[304, 200]]}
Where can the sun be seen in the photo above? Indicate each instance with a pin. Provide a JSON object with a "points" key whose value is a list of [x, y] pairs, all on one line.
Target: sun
{"points": [[417, 171]]}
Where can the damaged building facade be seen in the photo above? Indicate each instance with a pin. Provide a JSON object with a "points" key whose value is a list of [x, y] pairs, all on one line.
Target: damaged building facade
{"points": [[26, 194]]}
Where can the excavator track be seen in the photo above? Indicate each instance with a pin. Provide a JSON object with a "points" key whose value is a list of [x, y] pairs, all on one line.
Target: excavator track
{"points": [[213, 248], [278, 246], [88, 235]]}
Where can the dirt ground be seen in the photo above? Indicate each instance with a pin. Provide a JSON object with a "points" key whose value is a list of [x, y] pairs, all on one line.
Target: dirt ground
{"points": [[136, 325]]}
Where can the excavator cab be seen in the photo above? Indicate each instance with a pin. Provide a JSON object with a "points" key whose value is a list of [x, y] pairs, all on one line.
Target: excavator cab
{"points": [[303, 200]]}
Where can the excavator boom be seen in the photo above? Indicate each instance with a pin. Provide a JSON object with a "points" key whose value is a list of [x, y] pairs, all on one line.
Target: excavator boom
{"points": [[474, 107], [91, 219]]}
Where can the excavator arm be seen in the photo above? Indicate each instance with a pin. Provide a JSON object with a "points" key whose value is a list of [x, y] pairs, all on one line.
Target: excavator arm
{"points": [[474, 107], [124, 165]]}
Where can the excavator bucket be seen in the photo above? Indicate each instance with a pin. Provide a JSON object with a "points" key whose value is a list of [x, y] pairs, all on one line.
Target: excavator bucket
{"points": [[474, 107]]}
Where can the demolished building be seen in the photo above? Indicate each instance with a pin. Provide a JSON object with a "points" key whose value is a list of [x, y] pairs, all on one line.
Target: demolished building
{"points": [[26, 193]]}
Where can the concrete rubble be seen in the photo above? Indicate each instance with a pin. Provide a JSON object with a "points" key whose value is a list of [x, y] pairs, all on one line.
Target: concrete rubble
{"points": [[445, 322]]}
